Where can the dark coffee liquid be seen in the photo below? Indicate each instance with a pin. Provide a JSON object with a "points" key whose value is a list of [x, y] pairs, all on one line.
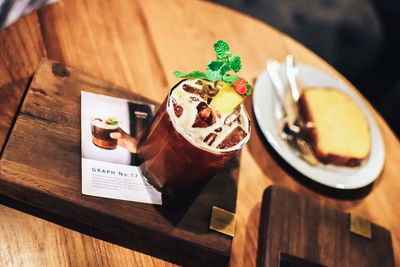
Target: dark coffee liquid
{"points": [[171, 162], [101, 137]]}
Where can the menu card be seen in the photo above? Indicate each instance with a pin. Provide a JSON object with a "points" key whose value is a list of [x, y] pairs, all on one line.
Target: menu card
{"points": [[110, 128]]}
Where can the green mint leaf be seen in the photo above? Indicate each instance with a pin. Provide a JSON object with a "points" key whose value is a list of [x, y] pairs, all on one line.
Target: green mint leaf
{"points": [[231, 79], [196, 74], [249, 89], [179, 74], [193, 75], [234, 62], [225, 68], [215, 65], [213, 75], [221, 48], [214, 69]]}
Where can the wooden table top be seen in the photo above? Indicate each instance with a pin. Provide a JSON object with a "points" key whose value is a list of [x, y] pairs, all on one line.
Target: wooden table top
{"points": [[126, 43]]}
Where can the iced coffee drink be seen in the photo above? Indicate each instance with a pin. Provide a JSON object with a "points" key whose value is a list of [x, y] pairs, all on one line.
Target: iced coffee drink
{"points": [[101, 130], [196, 131]]}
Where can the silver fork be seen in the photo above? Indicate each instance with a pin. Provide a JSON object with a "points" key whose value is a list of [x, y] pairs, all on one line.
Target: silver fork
{"points": [[292, 133], [304, 146], [300, 145]]}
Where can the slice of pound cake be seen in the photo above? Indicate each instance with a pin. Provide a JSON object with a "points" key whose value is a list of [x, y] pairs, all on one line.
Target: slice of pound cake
{"points": [[338, 129]]}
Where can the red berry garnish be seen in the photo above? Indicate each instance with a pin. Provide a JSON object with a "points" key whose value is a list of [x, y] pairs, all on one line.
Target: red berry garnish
{"points": [[240, 86]]}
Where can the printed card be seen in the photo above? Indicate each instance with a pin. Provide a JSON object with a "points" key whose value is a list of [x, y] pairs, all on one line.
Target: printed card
{"points": [[110, 128]]}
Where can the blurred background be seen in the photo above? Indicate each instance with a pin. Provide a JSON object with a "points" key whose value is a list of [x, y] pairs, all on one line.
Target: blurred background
{"points": [[360, 38]]}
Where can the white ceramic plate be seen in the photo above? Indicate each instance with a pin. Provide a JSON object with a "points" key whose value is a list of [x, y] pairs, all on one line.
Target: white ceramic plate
{"points": [[268, 111]]}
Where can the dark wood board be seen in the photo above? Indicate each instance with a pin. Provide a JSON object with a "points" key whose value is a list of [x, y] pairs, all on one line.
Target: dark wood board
{"points": [[41, 166], [305, 228]]}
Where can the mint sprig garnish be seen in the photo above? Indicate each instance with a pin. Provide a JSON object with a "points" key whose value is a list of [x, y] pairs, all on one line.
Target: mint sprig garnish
{"points": [[217, 69], [225, 62], [229, 59]]}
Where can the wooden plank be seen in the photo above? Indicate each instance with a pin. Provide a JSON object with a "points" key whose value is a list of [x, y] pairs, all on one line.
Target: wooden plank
{"points": [[41, 166], [305, 228]]}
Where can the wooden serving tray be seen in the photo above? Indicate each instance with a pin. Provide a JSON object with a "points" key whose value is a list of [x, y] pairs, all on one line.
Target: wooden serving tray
{"points": [[41, 166], [308, 233]]}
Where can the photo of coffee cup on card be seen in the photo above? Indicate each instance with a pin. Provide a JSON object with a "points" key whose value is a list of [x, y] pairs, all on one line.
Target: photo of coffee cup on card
{"points": [[111, 126], [101, 132], [107, 134]]}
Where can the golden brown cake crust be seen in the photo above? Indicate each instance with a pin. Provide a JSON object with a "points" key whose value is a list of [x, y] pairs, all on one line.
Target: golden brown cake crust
{"points": [[327, 158]]}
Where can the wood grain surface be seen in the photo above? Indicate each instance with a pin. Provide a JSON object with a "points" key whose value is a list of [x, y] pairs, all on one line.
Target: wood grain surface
{"points": [[137, 45]]}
